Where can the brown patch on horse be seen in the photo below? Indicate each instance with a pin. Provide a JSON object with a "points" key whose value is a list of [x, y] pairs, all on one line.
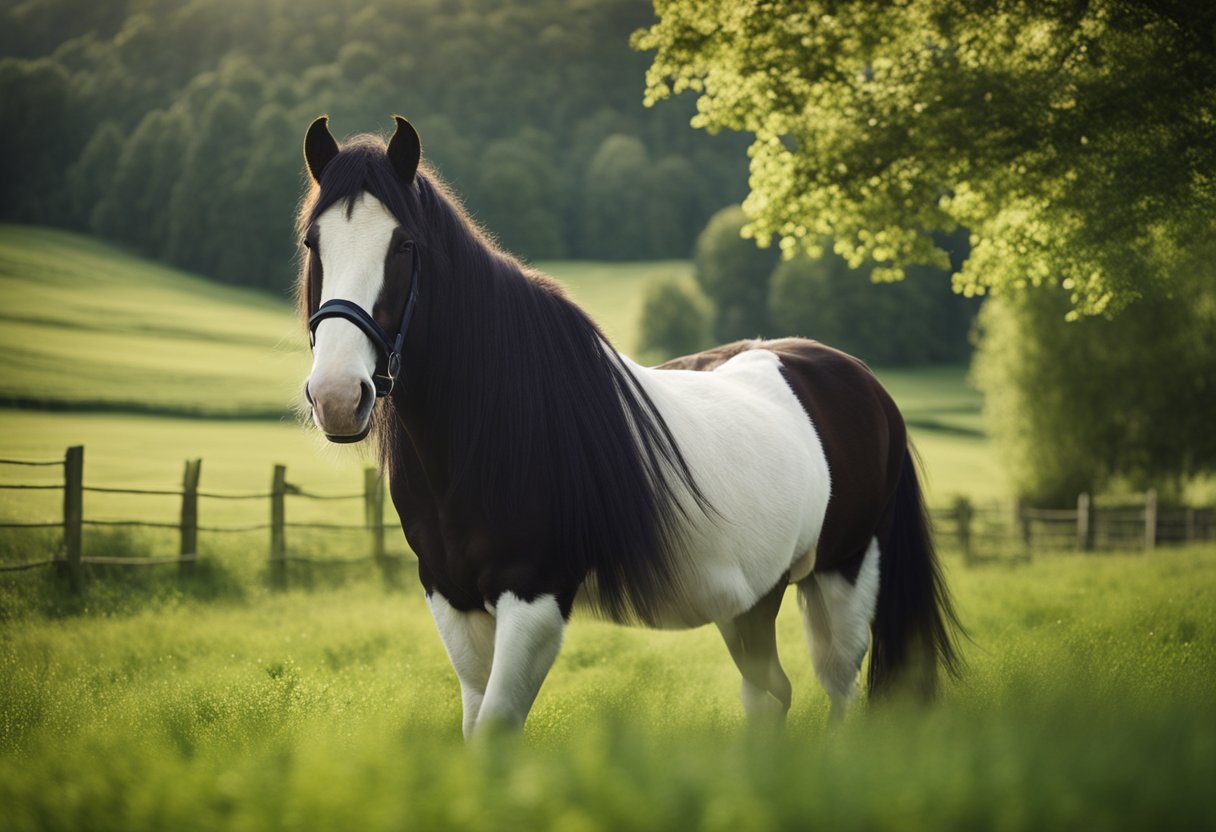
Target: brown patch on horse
{"points": [[859, 426]]}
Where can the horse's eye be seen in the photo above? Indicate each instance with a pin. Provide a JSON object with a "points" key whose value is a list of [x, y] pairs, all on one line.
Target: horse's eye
{"points": [[404, 246]]}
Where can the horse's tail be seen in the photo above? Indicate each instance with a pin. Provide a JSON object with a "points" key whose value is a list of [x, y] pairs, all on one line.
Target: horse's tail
{"points": [[915, 621]]}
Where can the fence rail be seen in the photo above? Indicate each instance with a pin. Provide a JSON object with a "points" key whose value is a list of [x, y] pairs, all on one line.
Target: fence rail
{"points": [[982, 532], [1088, 527], [70, 558]]}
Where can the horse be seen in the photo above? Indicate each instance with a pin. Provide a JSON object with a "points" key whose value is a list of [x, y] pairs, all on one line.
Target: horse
{"points": [[536, 469]]}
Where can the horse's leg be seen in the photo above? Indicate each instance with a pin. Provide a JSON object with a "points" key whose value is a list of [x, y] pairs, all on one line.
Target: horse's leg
{"points": [[527, 638], [836, 615], [752, 641], [469, 639]]}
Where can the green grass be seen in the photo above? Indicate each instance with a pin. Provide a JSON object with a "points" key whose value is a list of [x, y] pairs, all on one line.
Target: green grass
{"points": [[152, 701], [612, 292], [1090, 702], [84, 323]]}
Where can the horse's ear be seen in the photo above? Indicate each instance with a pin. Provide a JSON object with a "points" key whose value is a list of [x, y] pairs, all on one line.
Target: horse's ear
{"points": [[319, 147], [405, 150]]}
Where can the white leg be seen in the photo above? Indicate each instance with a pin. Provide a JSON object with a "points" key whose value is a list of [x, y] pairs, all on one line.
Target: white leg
{"points": [[836, 616], [469, 639], [526, 642]]}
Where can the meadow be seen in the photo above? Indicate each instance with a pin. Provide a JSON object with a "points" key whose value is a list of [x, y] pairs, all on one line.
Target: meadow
{"points": [[149, 700], [1088, 703]]}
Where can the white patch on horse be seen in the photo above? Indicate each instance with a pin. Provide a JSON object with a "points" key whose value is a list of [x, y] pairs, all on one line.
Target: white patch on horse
{"points": [[836, 616], [758, 461], [527, 638], [468, 638], [353, 251]]}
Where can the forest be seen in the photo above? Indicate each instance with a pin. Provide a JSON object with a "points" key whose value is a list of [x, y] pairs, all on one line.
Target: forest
{"points": [[174, 126]]}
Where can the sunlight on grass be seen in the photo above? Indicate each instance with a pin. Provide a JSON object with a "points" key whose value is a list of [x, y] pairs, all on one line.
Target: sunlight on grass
{"points": [[1086, 703]]}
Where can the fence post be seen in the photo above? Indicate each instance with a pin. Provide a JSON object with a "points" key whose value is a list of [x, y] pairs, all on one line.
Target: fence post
{"points": [[188, 550], [278, 516], [1085, 523], [1150, 519], [962, 515], [373, 513], [1022, 524], [1191, 525], [73, 511]]}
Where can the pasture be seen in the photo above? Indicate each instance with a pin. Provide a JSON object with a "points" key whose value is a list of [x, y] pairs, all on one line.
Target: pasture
{"points": [[149, 701], [1089, 702]]}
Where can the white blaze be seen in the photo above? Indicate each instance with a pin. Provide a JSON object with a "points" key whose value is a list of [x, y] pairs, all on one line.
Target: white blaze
{"points": [[353, 250]]}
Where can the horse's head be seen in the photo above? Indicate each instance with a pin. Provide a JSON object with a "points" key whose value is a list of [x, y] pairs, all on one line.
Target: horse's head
{"points": [[359, 278]]}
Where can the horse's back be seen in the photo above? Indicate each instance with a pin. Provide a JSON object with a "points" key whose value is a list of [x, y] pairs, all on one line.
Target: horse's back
{"points": [[858, 424]]}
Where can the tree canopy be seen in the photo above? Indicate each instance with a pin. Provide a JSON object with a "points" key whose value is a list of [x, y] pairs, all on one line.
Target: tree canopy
{"points": [[1075, 140]]}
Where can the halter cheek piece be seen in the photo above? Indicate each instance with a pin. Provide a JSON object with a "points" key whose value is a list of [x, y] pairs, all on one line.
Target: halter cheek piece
{"points": [[388, 347]]}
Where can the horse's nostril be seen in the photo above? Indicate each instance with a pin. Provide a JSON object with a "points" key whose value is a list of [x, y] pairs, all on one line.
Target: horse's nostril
{"points": [[308, 395], [367, 398]]}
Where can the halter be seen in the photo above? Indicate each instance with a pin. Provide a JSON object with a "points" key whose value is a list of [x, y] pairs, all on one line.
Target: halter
{"points": [[388, 348]]}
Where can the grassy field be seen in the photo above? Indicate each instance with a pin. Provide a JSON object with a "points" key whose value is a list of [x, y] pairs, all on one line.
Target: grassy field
{"points": [[1090, 702], [149, 701]]}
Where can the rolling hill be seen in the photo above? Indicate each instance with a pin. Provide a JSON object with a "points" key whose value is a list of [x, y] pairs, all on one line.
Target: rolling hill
{"points": [[103, 346]]}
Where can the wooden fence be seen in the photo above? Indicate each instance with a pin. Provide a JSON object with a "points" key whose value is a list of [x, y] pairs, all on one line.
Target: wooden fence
{"points": [[1003, 532], [982, 532], [70, 559]]}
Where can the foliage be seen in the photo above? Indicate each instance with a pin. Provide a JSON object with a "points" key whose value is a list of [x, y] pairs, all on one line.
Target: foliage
{"points": [[734, 274], [675, 319], [1076, 141], [1089, 702], [915, 321], [1076, 405], [199, 111]]}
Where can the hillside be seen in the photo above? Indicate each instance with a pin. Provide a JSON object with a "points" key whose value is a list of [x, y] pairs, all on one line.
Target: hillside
{"points": [[93, 330], [87, 326]]}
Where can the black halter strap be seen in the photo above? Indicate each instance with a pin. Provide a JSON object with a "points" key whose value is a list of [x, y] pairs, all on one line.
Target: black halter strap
{"points": [[388, 347]]}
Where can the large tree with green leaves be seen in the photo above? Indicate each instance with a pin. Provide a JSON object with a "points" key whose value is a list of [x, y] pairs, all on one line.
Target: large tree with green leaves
{"points": [[1076, 140]]}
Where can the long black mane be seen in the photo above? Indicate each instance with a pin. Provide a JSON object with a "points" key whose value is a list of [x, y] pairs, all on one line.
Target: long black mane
{"points": [[522, 402]]}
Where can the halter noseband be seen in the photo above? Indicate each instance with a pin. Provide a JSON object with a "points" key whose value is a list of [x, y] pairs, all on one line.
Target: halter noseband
{"points": [[388, 348]]}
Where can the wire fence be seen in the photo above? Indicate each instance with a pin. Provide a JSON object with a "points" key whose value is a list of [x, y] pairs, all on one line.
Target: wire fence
{"points": [[70, 557]]}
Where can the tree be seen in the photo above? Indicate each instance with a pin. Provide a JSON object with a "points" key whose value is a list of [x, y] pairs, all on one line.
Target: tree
{"points": [[1076, 406], [35, 150], [185, 84], [93, 173], [135, 194], [614, 201], [519, 196], [675, 320], [207, 223], [1076, 141], [673, 215], [915, 321], [734, 274]]}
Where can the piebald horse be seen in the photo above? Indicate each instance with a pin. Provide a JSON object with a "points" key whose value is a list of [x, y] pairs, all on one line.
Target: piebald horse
{"points": [[536, 469]]}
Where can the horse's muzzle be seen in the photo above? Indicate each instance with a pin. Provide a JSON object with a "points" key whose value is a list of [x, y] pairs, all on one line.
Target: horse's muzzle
{"points": [[343, 411]]}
